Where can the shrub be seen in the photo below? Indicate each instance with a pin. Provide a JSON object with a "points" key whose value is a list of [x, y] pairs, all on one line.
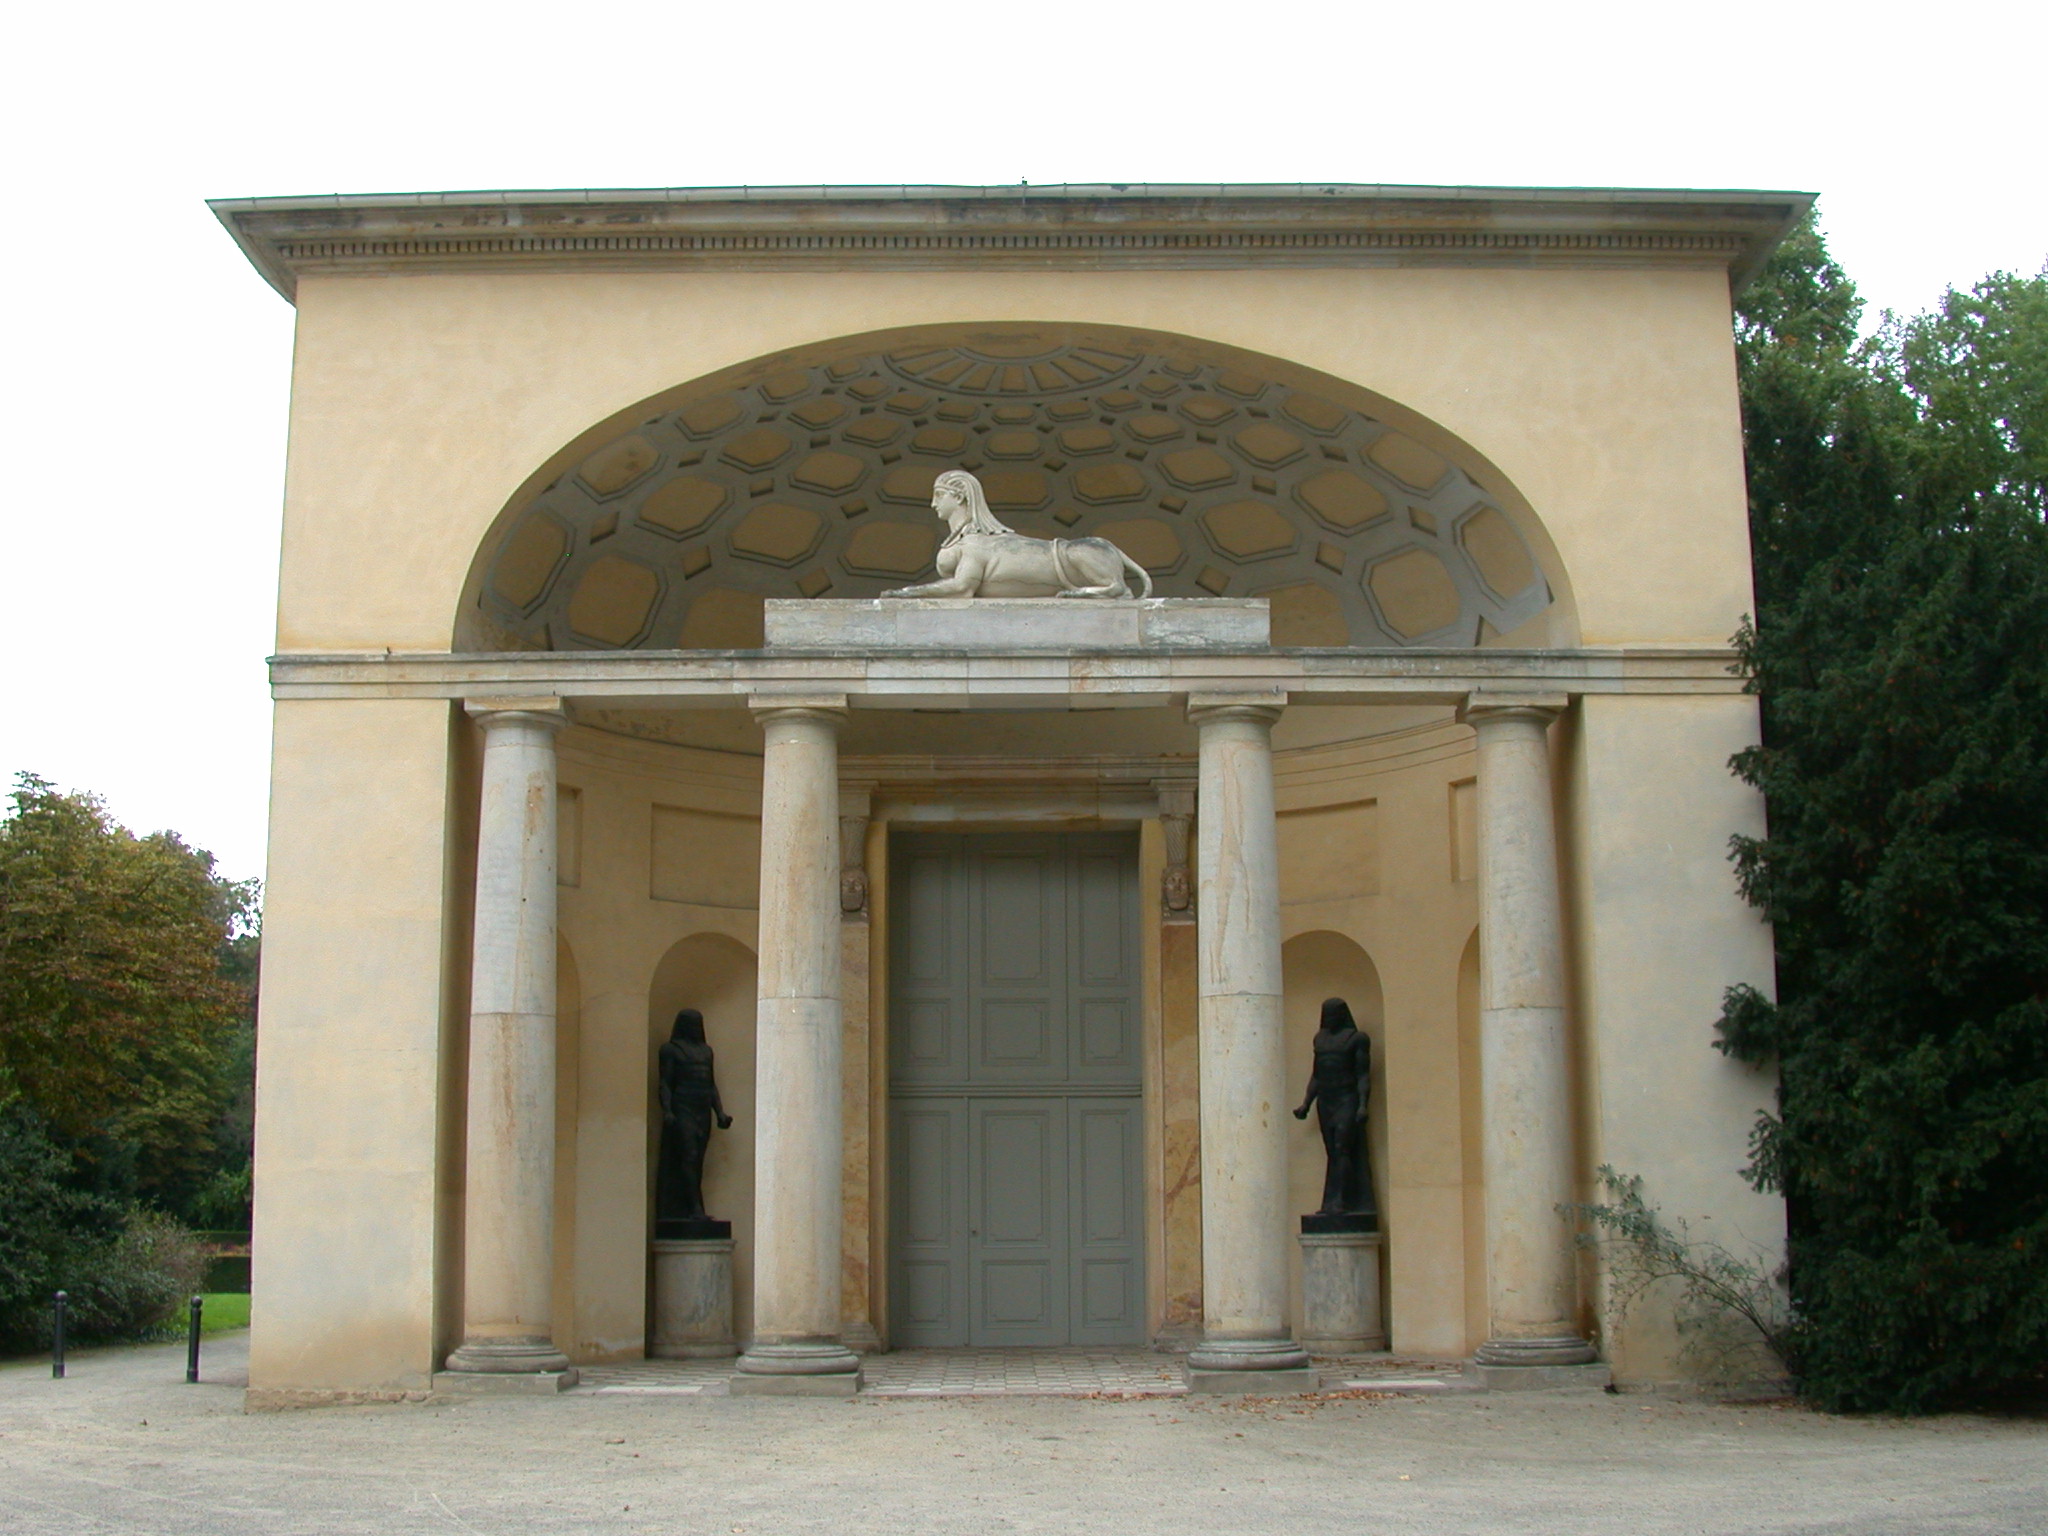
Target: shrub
{"points": [[137, 1285], [1732, 1313], [126, 1273]]}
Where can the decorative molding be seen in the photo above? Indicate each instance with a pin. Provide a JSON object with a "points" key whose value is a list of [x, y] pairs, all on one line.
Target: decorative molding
{"points": [[1176, 819], [896, 775], [856, 804], [1147, 679], [1129, 225], [459, 253], [1098, 789]]}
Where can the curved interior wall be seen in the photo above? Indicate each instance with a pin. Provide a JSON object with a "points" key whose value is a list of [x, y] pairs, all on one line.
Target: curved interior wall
{"points": [[659, 853]]}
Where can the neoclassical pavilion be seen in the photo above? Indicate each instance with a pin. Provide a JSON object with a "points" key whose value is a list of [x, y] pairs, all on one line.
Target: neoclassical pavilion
{"points": [[1009, 921]]}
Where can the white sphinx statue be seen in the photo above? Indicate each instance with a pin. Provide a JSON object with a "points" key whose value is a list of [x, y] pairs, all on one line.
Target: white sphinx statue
{"points": [[983, 558]]}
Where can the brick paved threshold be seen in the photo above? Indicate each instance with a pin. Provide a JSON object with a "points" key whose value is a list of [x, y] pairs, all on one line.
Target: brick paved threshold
{"points": [[1017, 1373]]}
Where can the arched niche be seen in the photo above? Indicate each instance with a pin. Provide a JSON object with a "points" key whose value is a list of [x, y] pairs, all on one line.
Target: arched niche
{"points": [[715, 975], [808, 474], [1315, 966], [568, 1100], [1471, 1141]]}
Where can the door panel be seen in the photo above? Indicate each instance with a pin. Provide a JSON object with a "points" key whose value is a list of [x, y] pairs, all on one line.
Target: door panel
{"points": [[1107, 1031], [1018, 1172], [1017, 894], [1016, 1037], [1019, 1221], [1016, 891], [1014, 1073], [928, 1015], [1107, 1138], [927, 1029], [928, 1152], [1105, 976], [1100, 905]]}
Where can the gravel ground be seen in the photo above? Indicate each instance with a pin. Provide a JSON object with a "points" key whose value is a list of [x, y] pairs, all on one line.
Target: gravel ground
{"points": [[124, 1445]]}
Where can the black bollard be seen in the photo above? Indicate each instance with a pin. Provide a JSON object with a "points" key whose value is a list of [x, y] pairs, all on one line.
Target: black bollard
{"points": [[57, 1335], [192, 1341]]}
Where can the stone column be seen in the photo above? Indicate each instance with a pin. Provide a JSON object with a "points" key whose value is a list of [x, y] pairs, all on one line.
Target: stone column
{"points": [[509, 1196], [1245, 1342], [797, 1346], [856, 937], [1525, 1088]]}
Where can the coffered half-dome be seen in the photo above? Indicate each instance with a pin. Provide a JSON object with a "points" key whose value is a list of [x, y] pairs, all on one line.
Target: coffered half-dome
{"points": [[810, 475]]}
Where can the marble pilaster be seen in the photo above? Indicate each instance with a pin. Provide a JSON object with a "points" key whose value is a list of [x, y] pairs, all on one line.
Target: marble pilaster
{"points": [[856, 942]]}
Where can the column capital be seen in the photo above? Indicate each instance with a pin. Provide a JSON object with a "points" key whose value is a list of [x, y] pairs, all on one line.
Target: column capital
{"points": [[549, 713], [1176, 796], [857, 798], [1483, 708], [813, 706], [1263, 706]]}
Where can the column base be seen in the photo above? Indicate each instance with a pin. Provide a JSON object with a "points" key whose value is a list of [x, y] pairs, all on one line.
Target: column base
{"points": [[1593, 1377], [507, 1357], [1558, 1349], [840, 1385], [505, 1383], [823, 1369], [1279, 1366], [1288, 1383]]}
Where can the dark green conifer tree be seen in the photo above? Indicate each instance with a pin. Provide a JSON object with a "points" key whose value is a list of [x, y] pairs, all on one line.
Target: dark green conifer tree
{"points": [[1901, 654]]}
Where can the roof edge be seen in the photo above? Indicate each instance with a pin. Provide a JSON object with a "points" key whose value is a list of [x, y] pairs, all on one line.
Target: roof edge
{"points": [[1095, 225]]}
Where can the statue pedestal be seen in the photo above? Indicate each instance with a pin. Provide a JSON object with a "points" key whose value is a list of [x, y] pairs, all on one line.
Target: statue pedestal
{"points": [[692, 1299], [1018, 623], [1340, 1292]]}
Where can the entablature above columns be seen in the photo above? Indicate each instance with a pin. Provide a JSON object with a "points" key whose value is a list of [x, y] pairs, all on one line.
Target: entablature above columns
{"points": [[1007, 680]]}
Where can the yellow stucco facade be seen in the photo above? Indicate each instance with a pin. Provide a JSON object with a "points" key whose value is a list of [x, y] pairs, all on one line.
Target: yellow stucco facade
{"points": [[1569, 361]]}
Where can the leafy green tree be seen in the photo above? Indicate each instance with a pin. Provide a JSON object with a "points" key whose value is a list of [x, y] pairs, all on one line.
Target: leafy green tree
{"points": [[1977, 369], [1901, 654], [125, 994], [126, 1271]]}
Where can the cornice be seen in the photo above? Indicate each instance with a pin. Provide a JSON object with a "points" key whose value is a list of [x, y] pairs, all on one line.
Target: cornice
{"points": [[1015, 680], [1132, 226]]}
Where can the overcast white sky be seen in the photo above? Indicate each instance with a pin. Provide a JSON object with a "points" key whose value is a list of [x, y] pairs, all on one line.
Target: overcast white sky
{"points": [[146, 397]]}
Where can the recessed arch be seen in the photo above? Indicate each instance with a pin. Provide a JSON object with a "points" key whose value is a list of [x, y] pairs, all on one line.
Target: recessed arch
{"points": [[568, 1108], [807, 474], [1314, 966], [1471, 1140], [716, 975]]}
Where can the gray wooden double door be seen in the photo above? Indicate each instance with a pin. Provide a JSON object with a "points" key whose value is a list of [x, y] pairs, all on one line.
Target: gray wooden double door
{"points": [[1016, 1188]]}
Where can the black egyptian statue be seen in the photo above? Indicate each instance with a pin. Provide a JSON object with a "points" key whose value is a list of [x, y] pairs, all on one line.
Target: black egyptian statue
{"points": [[1340, 1088], [689, 1105]]}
